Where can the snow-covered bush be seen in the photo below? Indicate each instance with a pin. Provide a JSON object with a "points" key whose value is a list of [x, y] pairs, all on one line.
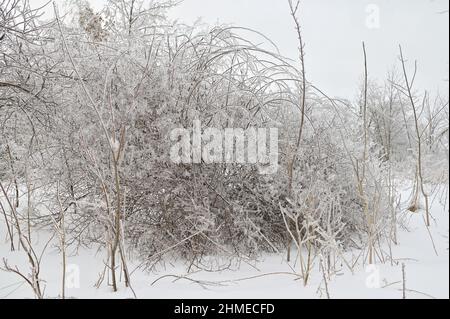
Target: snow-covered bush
{"points": [[88, 107]]}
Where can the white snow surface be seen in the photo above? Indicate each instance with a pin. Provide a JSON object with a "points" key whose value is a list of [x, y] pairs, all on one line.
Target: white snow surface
{"points": [[427, 273]]}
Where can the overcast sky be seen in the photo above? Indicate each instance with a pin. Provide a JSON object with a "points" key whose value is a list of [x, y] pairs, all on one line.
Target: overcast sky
{"points": [[333, 31]]}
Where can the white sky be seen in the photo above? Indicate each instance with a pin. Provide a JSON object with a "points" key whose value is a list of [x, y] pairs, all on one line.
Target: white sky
{"points": [[333, 31]]}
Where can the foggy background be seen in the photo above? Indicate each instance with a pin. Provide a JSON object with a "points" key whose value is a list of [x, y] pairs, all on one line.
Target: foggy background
{"points": [[333, 32]]}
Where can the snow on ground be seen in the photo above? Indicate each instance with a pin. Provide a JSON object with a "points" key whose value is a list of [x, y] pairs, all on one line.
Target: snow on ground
{"points": [[427, 273]]}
